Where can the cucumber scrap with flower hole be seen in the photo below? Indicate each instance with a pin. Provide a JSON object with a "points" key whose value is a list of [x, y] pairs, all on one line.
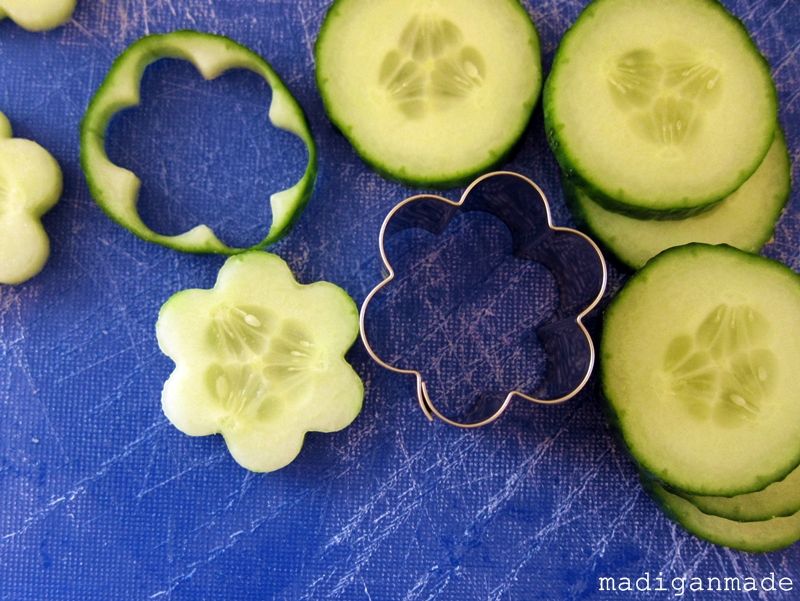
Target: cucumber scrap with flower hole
{"points": [[433, 92], [699, 361], [116, 189], [659, 108], [745, 219], [259, 358]]}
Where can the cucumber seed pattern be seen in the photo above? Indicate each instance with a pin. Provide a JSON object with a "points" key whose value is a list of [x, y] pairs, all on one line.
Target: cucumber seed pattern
{"points": [[263, 359], [238, 330], [665, 92], [431, 67], [725, 370], [259, 358]]}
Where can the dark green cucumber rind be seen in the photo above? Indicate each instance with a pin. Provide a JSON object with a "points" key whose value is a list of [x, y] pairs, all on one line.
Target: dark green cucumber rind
{"points": [[95, 123], [753, 537], [611, 199], [460, 179], [654, 471], [618, 251], [754, 507], [452, 180], [570, 190], [655, 476]]}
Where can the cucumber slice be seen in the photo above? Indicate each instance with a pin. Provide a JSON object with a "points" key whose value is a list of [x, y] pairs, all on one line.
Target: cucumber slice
{"points": [[756, 537], [37, 15], [260, 359], [746, 219], [430, 93], [116, 190], [659, 107], [779, 499], [699, 362], [30, 184]]}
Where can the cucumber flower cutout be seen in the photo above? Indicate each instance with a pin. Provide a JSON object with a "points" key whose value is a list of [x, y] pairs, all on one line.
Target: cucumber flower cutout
{"points": [[30, 184], [259, 358], [37, 15], [116, 189]]}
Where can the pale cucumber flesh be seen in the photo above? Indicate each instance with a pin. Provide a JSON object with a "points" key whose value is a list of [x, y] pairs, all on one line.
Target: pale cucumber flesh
{"points": [[37, 15], [779, 499], [659, 107], [260, 359], [30, 184], [430, 92], [699, 359], [746, 219], [756, 537]]}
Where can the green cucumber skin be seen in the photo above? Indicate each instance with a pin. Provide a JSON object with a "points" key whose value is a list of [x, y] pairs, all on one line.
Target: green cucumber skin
{"points": [[89, 127], [385, 170], [742, 511], [433, 184], [652, 471], [610, 199], [618, 253], [669, 505]]}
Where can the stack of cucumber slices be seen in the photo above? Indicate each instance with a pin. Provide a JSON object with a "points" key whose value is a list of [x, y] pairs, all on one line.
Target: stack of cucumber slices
{"points": [[663, 118], [700, 359]]}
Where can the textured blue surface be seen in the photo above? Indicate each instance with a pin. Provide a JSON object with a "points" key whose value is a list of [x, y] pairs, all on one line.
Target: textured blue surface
{"points": [[100, 498]]}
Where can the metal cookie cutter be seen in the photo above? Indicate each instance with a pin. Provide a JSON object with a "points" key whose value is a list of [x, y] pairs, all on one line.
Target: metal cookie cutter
{"points": [[574, 260]]}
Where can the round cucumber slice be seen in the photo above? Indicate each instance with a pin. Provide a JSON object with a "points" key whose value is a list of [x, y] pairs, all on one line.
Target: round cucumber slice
{"points": [[659, 107], [37, 15], [30, 184], [430, 93], [779, 499], [756, 537], [745, 219], [116, 189], [260, 359], [699, 362]]}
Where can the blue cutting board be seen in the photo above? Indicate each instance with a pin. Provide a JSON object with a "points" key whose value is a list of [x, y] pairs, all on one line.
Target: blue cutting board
{"points": [[101, 498]]}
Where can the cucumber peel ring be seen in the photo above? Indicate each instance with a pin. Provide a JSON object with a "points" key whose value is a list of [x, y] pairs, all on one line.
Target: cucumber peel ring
{"points": [[116, 189]]}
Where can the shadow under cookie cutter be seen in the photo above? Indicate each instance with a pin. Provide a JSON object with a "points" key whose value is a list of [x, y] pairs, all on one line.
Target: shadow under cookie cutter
{"points": [[579, 269]]}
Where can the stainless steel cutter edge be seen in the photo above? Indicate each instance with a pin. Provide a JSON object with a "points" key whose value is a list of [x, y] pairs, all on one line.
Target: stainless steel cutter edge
{"points": [[426, 404]]}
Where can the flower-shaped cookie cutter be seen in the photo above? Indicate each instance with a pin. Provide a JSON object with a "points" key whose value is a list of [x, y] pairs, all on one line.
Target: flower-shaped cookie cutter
{"points": [[574, 259]]}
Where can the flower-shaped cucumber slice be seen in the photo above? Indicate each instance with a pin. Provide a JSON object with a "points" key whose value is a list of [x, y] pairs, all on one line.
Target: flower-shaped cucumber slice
{"points": [[37, 15], [259, 358], [574, 260], [30, 184], [116, 189]]}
